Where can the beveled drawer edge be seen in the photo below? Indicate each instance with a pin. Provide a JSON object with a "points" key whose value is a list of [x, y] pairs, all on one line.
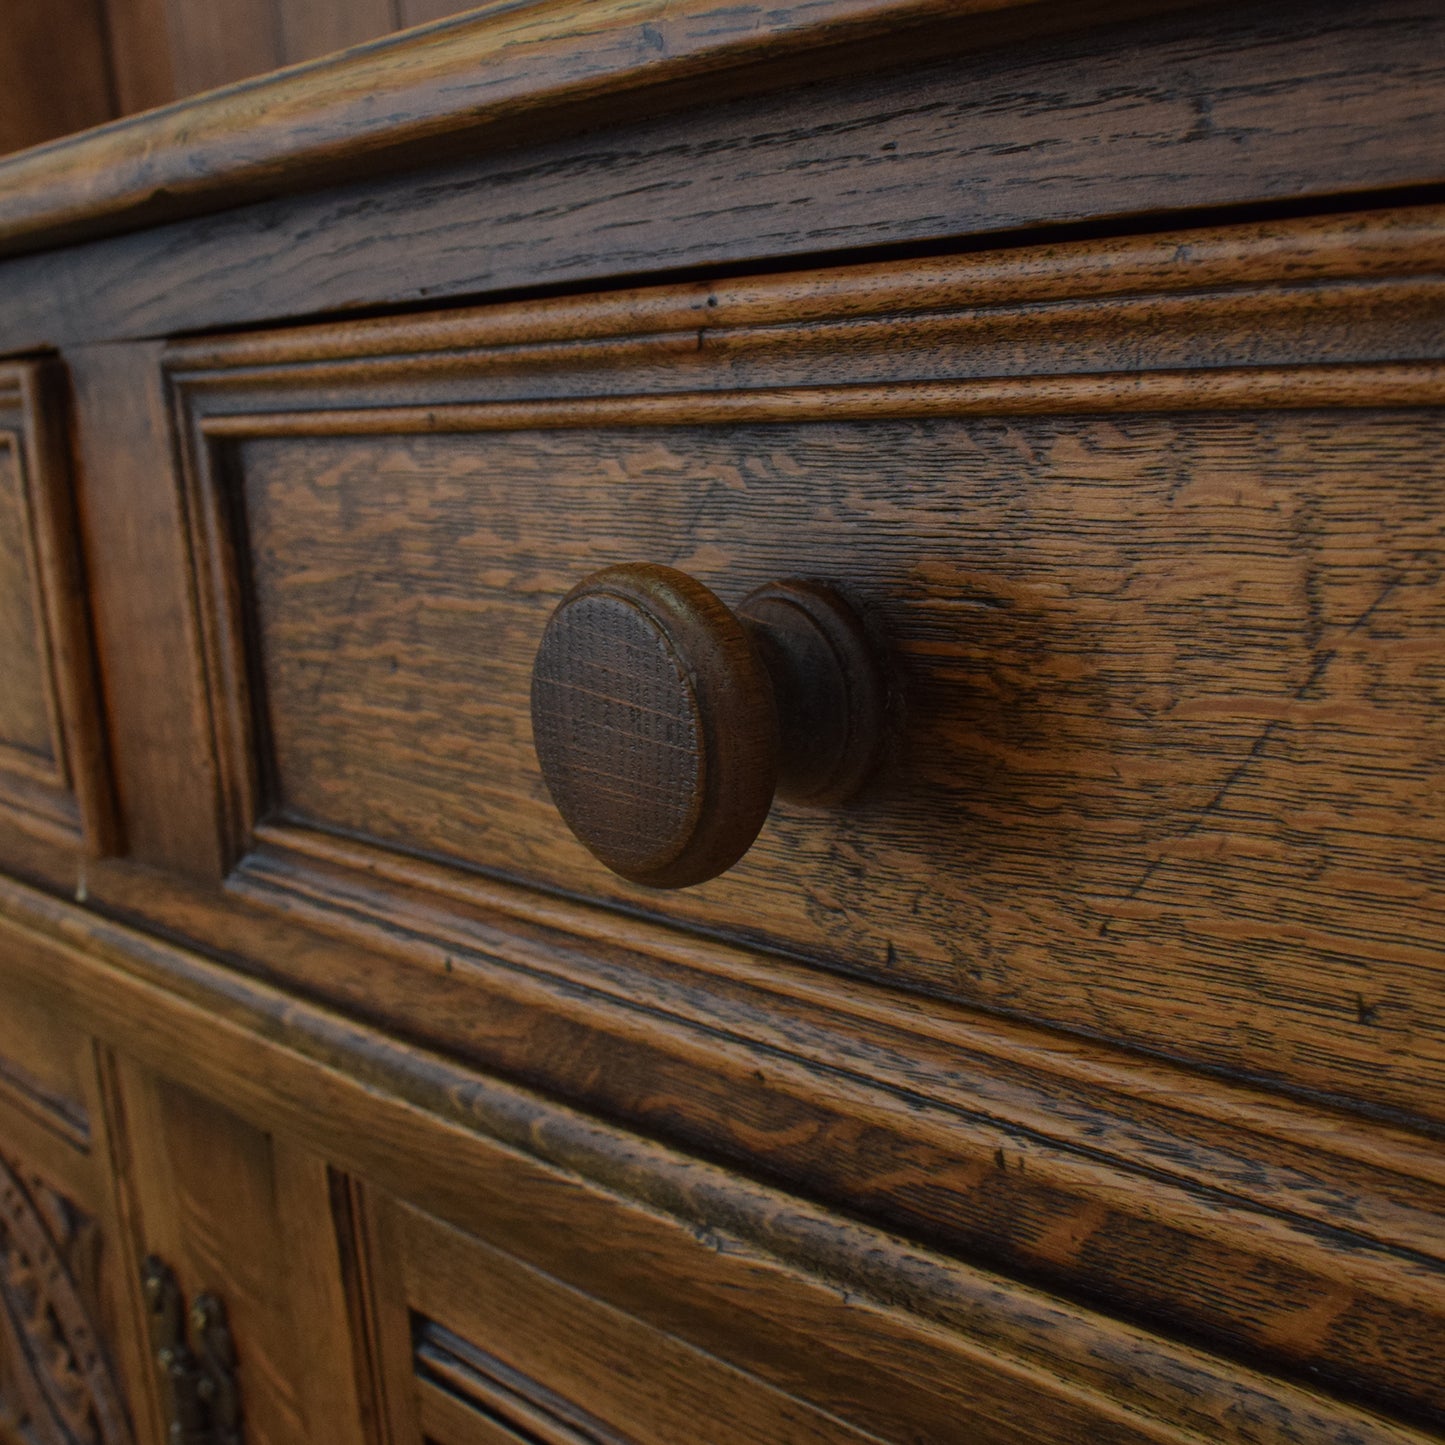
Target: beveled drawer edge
{"points": [[447, 1139], [1196, 262]]}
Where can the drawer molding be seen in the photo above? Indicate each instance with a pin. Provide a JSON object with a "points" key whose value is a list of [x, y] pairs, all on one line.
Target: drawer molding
{"points": [[500, 1161]]}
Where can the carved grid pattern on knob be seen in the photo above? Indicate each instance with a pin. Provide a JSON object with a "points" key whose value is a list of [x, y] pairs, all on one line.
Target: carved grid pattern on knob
{"points": [[620, 729]]}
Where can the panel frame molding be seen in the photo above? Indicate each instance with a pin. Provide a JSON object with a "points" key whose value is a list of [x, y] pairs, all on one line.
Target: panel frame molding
{"points": [[66, 798]]}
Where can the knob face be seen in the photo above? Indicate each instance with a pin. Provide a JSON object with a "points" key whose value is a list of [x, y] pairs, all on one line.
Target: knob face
{"points": [[655, 726]]}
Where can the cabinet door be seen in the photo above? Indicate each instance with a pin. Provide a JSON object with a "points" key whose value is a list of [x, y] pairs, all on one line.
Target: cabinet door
{"points": [[247, 1218], [66, 1298]]}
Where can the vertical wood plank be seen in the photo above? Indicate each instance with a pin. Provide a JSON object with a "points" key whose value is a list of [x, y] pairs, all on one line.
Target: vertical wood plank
{"points": [[379, 1247], [54, 75], [329, 1359], [113, 1133], [418, 12], [140, 54], [133, 534], [206, 1201], [212, 45], [317, 27]]}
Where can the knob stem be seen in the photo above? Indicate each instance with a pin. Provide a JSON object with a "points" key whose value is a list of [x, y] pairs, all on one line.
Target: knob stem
{"points": [[829, 688]]}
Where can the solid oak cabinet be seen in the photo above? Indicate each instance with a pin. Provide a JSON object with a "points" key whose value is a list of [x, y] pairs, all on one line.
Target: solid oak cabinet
{"points": [[999, 449]]}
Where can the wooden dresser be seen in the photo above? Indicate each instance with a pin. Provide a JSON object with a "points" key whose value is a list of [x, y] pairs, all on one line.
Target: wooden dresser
{"points": [[1063, 1061]]}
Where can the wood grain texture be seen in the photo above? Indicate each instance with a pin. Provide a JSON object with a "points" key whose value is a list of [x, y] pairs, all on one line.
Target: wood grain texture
{"points": [[910, 156], [140, 54], [44, 1067], [418, 12], [249, 1219], [498, 1162], [1228, 1214], [1095, 774], [131, 529], [54, 74], [551, 1361], [507, 62], [26, 723], [311, 28], [655, 725], [52, 765], [1160, 682], [1155, 528], [213, 45]]}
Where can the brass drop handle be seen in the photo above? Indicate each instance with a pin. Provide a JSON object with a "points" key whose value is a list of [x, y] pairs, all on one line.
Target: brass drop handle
{"points": [[664, 723], [195, 1361]]}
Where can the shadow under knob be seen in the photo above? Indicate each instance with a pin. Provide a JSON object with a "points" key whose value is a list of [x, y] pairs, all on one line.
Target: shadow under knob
{"points": [[664, 723]]}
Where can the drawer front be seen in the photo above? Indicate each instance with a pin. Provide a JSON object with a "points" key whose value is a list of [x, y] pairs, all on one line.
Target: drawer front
{"points": [[51, 772], [1153, 531]]}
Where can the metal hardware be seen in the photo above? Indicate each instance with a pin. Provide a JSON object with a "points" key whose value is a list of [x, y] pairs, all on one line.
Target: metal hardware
{"points": [[199, 1394]]}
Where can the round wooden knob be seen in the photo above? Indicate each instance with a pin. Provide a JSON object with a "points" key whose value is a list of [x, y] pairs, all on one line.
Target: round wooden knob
{"points": [[664, 723]]}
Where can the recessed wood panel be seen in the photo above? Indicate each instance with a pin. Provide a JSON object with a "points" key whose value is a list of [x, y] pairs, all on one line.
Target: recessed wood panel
{"points": [[51, 767], [753, 1275], [1172, 690], [44, 1065], [247, 1217], [25, 711], [499, 1345]]}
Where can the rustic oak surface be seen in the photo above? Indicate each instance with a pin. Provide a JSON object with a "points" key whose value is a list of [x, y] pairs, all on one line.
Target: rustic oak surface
{"points": [[502, 1163], [524, 1346], [1082, 1080], [24, 712], [1103, 127], [52, 768], [247, 1218], [1113, 794], [157, 735], [1172, 744], [385, 102]]}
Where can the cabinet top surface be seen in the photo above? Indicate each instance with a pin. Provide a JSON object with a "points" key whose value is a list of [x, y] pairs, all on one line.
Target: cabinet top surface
{"points": [[486, 78]]}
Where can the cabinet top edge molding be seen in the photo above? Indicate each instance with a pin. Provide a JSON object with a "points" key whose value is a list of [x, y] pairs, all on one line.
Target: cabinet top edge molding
{"points": [[1293, 257], [476, 82]]}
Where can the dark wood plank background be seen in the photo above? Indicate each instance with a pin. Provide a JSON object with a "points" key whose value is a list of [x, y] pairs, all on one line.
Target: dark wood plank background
{"points": [[122, 56]]}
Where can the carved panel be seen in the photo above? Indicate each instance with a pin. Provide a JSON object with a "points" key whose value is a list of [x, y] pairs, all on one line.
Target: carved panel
{"points": [[51, 769], [56, 1386]]}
